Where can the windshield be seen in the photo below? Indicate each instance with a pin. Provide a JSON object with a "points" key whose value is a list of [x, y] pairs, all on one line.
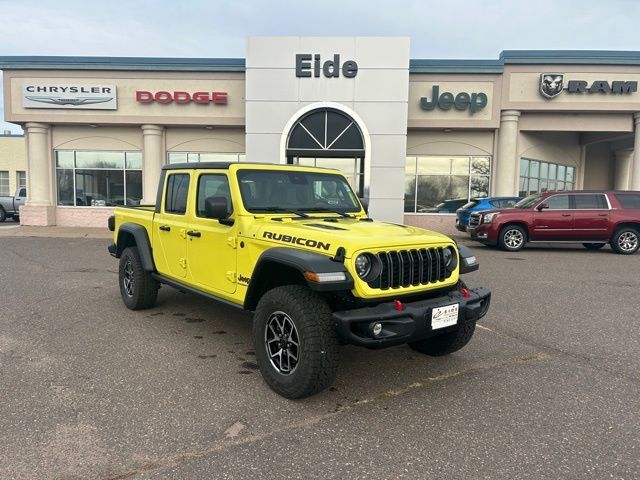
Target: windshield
{"points": [[273, 190], [528, 202]]}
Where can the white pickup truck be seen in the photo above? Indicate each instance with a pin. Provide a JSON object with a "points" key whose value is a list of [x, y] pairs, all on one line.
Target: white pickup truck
{"points": [[10, 206]]}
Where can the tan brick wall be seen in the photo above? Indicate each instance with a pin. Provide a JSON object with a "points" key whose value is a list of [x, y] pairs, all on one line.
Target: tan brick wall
{"points": [[13, 157], [443, 223], [83, 216]]}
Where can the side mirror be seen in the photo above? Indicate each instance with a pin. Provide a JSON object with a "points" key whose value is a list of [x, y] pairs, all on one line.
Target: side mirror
{"points": [[542, 206], [365, 205], [216, 208]]}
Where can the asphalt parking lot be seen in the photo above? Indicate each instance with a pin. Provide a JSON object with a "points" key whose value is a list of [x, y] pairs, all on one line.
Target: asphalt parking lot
{"points": [[548, 387]]}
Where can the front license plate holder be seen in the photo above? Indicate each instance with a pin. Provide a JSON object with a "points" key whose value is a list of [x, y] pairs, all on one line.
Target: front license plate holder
{"points": [[445, 316]]}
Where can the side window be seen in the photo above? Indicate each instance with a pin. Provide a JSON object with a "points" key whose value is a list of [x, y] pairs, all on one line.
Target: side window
{"points": [[496, 203], [212, 186], [176, 197], [22, 192], [558, 202], [629, 200], [589, 202], [508, 203]]}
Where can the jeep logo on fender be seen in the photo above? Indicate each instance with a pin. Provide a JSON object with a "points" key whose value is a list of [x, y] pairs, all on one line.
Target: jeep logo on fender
{"points": [[305, 242], [473, 102]]}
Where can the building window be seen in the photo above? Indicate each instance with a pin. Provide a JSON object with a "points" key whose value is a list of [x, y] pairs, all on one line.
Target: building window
{"points": [[21, 178], [352, 168], [98, 179], [444, 184], [4, 183], [193, 157], [538, 177]]}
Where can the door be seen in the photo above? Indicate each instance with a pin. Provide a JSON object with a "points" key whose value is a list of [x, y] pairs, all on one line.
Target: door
{"points": [[555, 221], [590, 216], [211, 245], [20, 198], [170, 227]]}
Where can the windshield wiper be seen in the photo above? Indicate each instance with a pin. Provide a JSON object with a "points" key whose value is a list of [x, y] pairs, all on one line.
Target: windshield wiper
{"points": [[329, 210], [279, 210]]}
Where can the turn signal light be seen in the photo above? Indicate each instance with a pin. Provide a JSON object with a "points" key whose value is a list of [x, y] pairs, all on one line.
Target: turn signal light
{"points": [[464, 292], [397, 304]]}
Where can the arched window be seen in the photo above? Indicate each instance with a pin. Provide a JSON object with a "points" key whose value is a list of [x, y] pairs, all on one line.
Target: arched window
{"points": [[328, 138]]}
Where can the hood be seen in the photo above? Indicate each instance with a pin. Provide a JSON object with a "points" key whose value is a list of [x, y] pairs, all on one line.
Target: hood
{"points": [[352, 234]]}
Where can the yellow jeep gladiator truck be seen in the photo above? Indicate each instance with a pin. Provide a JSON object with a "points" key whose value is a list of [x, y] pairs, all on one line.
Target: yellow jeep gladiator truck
{"points": [[295, 246]]}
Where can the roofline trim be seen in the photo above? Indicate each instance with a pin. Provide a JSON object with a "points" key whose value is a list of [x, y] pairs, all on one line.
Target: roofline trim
{"points": [[506, 57]]}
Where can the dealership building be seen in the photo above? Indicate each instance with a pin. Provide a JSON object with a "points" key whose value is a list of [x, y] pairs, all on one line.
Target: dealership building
{"points": [[408, 133]]}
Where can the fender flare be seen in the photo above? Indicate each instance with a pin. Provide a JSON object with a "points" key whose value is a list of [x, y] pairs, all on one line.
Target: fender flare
{"points": [[468, 261], [143, 244], [301, 261]]}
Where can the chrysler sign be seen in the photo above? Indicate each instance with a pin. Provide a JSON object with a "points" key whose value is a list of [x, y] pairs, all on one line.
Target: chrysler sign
{"points": [[69, 96]]}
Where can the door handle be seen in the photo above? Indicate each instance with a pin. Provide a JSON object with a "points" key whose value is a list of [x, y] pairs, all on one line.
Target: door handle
{"points": [[194, 233], [165, 228], [566, 214], [603, 214]]}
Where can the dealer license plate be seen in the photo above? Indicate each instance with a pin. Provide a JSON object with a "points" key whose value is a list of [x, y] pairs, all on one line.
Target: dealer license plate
{"points": [[446, 316]]}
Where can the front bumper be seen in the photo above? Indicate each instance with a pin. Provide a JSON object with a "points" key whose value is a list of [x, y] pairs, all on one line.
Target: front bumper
{"points": [[483, 233], [412, 323]]}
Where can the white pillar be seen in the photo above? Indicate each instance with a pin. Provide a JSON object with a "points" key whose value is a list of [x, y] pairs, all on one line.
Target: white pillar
{"points": [[634, 181], [39, 209], [506, 169], [623, 169], [152, 161]]}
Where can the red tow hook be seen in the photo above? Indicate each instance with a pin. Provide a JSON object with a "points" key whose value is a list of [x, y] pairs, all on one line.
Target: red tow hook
{"points": [[464, 292], [397, 304]]}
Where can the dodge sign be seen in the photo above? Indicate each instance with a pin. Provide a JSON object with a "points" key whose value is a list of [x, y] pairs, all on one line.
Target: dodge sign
{"points": [[70, 96]]}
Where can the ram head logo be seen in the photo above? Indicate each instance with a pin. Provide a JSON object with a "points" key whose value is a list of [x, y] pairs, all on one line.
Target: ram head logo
{"points": [[551, 84]]}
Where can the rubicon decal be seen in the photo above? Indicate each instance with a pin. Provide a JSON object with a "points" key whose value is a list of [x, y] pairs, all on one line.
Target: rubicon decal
{"points": [[181, 97], [305, 242]]}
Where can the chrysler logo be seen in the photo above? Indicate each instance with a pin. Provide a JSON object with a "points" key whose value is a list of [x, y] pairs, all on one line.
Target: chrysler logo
{"points": [[551, 84], [70, 101]]}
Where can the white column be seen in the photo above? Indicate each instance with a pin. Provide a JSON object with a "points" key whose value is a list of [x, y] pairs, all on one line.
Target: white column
{"points": [[623, 168], [39, 209], [505, 169], [634, 181], [152, 161]]}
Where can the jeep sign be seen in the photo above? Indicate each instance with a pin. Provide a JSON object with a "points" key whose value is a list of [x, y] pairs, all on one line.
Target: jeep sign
{"points": [[473, 102]]}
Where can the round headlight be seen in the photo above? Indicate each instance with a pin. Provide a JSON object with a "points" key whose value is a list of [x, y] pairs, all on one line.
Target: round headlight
{"points": [[363, 265], [450, 258]]}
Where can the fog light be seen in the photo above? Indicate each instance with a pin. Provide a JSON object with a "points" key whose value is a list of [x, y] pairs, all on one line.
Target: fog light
{"points": [[377, 329]]}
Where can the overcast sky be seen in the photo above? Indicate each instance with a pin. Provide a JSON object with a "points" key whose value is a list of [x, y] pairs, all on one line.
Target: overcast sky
{"points": [[210, 28]]}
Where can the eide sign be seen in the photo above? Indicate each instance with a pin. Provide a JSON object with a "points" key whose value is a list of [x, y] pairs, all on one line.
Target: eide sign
{"points": [[330, 68]]}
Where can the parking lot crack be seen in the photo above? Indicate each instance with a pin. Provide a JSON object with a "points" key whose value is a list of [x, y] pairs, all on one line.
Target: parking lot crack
{"points": [[232, 442]]}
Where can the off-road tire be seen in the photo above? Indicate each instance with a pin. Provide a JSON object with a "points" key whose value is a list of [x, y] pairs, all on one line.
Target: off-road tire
{"points": [[144, 291], [618, 245], [318, 344], [446, 343], [593, 246], [506, 244], [3, 215]]}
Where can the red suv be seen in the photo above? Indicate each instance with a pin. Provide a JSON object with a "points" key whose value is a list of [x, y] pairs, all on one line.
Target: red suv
{"points": [[593, 218]]}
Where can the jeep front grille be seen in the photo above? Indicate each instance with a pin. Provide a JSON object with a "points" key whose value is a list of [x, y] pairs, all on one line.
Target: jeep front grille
{"points": [[404, 268], [474, 220]]}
